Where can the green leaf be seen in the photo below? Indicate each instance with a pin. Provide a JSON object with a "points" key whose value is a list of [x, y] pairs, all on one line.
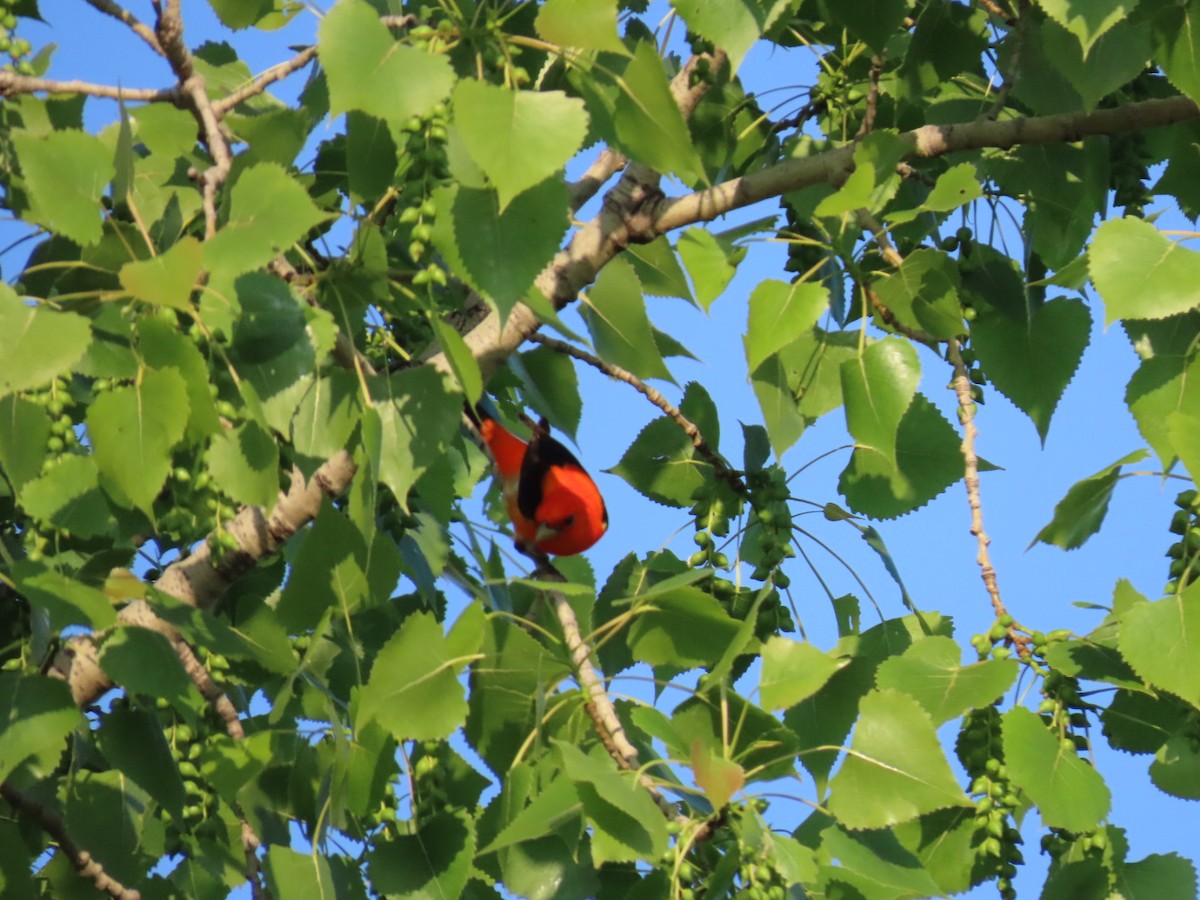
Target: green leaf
{"points": [[873, 21], [269, 211], [710, 262], [793, 671], [507, 691], [781, 413], [245, 464], [167, 279], [462, 361], [895, 770], [1157, 877], [294, 874], [551, 386], [144, 662], [734, 25], [1079, 514], [36, 343], [413, 690], [684, 627], [657, 268], [66, 601], [24, 430], [1141, 274], [616, 318], [327, 415], [238, 14], [65, 174], [1031, 355], [649, 126], [957, 186], [874, 866], [1138, 722], [518, 138], [556, 806], [590, 24], [1161, 640], [501, 253], [16, 862], [38, 714], [1067, 791], [1087, 19], [370, 157], [133, 430], [1177, 46], [164, 347], [132, 741], [928, 460], [329, 573], [628, 826], [874, 180], [1167, 381], [369, 71], [1183, 428], [433, 863], [932, 673], [1176, 768], [417, 416], [661, 463], [923, 294], [778, 312], [878, 388]]}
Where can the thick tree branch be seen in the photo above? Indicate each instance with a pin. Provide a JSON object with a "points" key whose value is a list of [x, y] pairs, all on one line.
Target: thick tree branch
{"points": [[199, 581], [82, 861]]}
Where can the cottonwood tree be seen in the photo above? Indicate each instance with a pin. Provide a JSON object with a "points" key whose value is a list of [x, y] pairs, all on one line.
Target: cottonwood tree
{"points": [[232, 375]]}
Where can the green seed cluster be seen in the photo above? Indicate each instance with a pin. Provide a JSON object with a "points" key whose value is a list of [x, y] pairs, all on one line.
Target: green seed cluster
{"points": [[426, 768], [186, 743], [772, 518], [18, 49], [1185, 553], [997, 840]]}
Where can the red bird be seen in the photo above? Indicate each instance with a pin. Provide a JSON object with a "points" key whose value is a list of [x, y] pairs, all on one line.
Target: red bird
{"points": [[554, 505]]}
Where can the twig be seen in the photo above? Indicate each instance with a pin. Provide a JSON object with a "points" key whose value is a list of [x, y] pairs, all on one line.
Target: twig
{"points": [[82, 861], [722, 469], [868, 121], [1014, 62], [118, 12], [998, 11], [966, 414], [807, 111], [11, 84], [259, 83]]}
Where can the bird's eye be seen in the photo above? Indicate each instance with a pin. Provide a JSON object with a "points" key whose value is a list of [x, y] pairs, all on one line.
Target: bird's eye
{"points": [[568, 521]]}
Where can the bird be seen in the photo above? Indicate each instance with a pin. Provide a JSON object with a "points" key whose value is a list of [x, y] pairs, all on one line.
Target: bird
{"points": [[554, 505]]}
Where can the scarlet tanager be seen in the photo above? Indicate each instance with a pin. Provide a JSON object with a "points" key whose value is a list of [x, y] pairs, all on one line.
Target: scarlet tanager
{"points": [[554, 505]]}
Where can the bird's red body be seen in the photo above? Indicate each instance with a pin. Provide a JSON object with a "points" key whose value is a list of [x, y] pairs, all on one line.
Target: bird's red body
{"points": [[554, 505]]}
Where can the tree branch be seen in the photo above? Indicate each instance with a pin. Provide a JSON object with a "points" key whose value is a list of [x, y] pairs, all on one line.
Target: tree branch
{"points": [[598, 704], [12, 84], [261, 82], [82, 861], [722, 468], [198, 581], [966, 415], [118, 12]]}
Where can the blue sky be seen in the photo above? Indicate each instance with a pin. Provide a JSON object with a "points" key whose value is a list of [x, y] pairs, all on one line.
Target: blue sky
{"points": [[932, 547]]}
